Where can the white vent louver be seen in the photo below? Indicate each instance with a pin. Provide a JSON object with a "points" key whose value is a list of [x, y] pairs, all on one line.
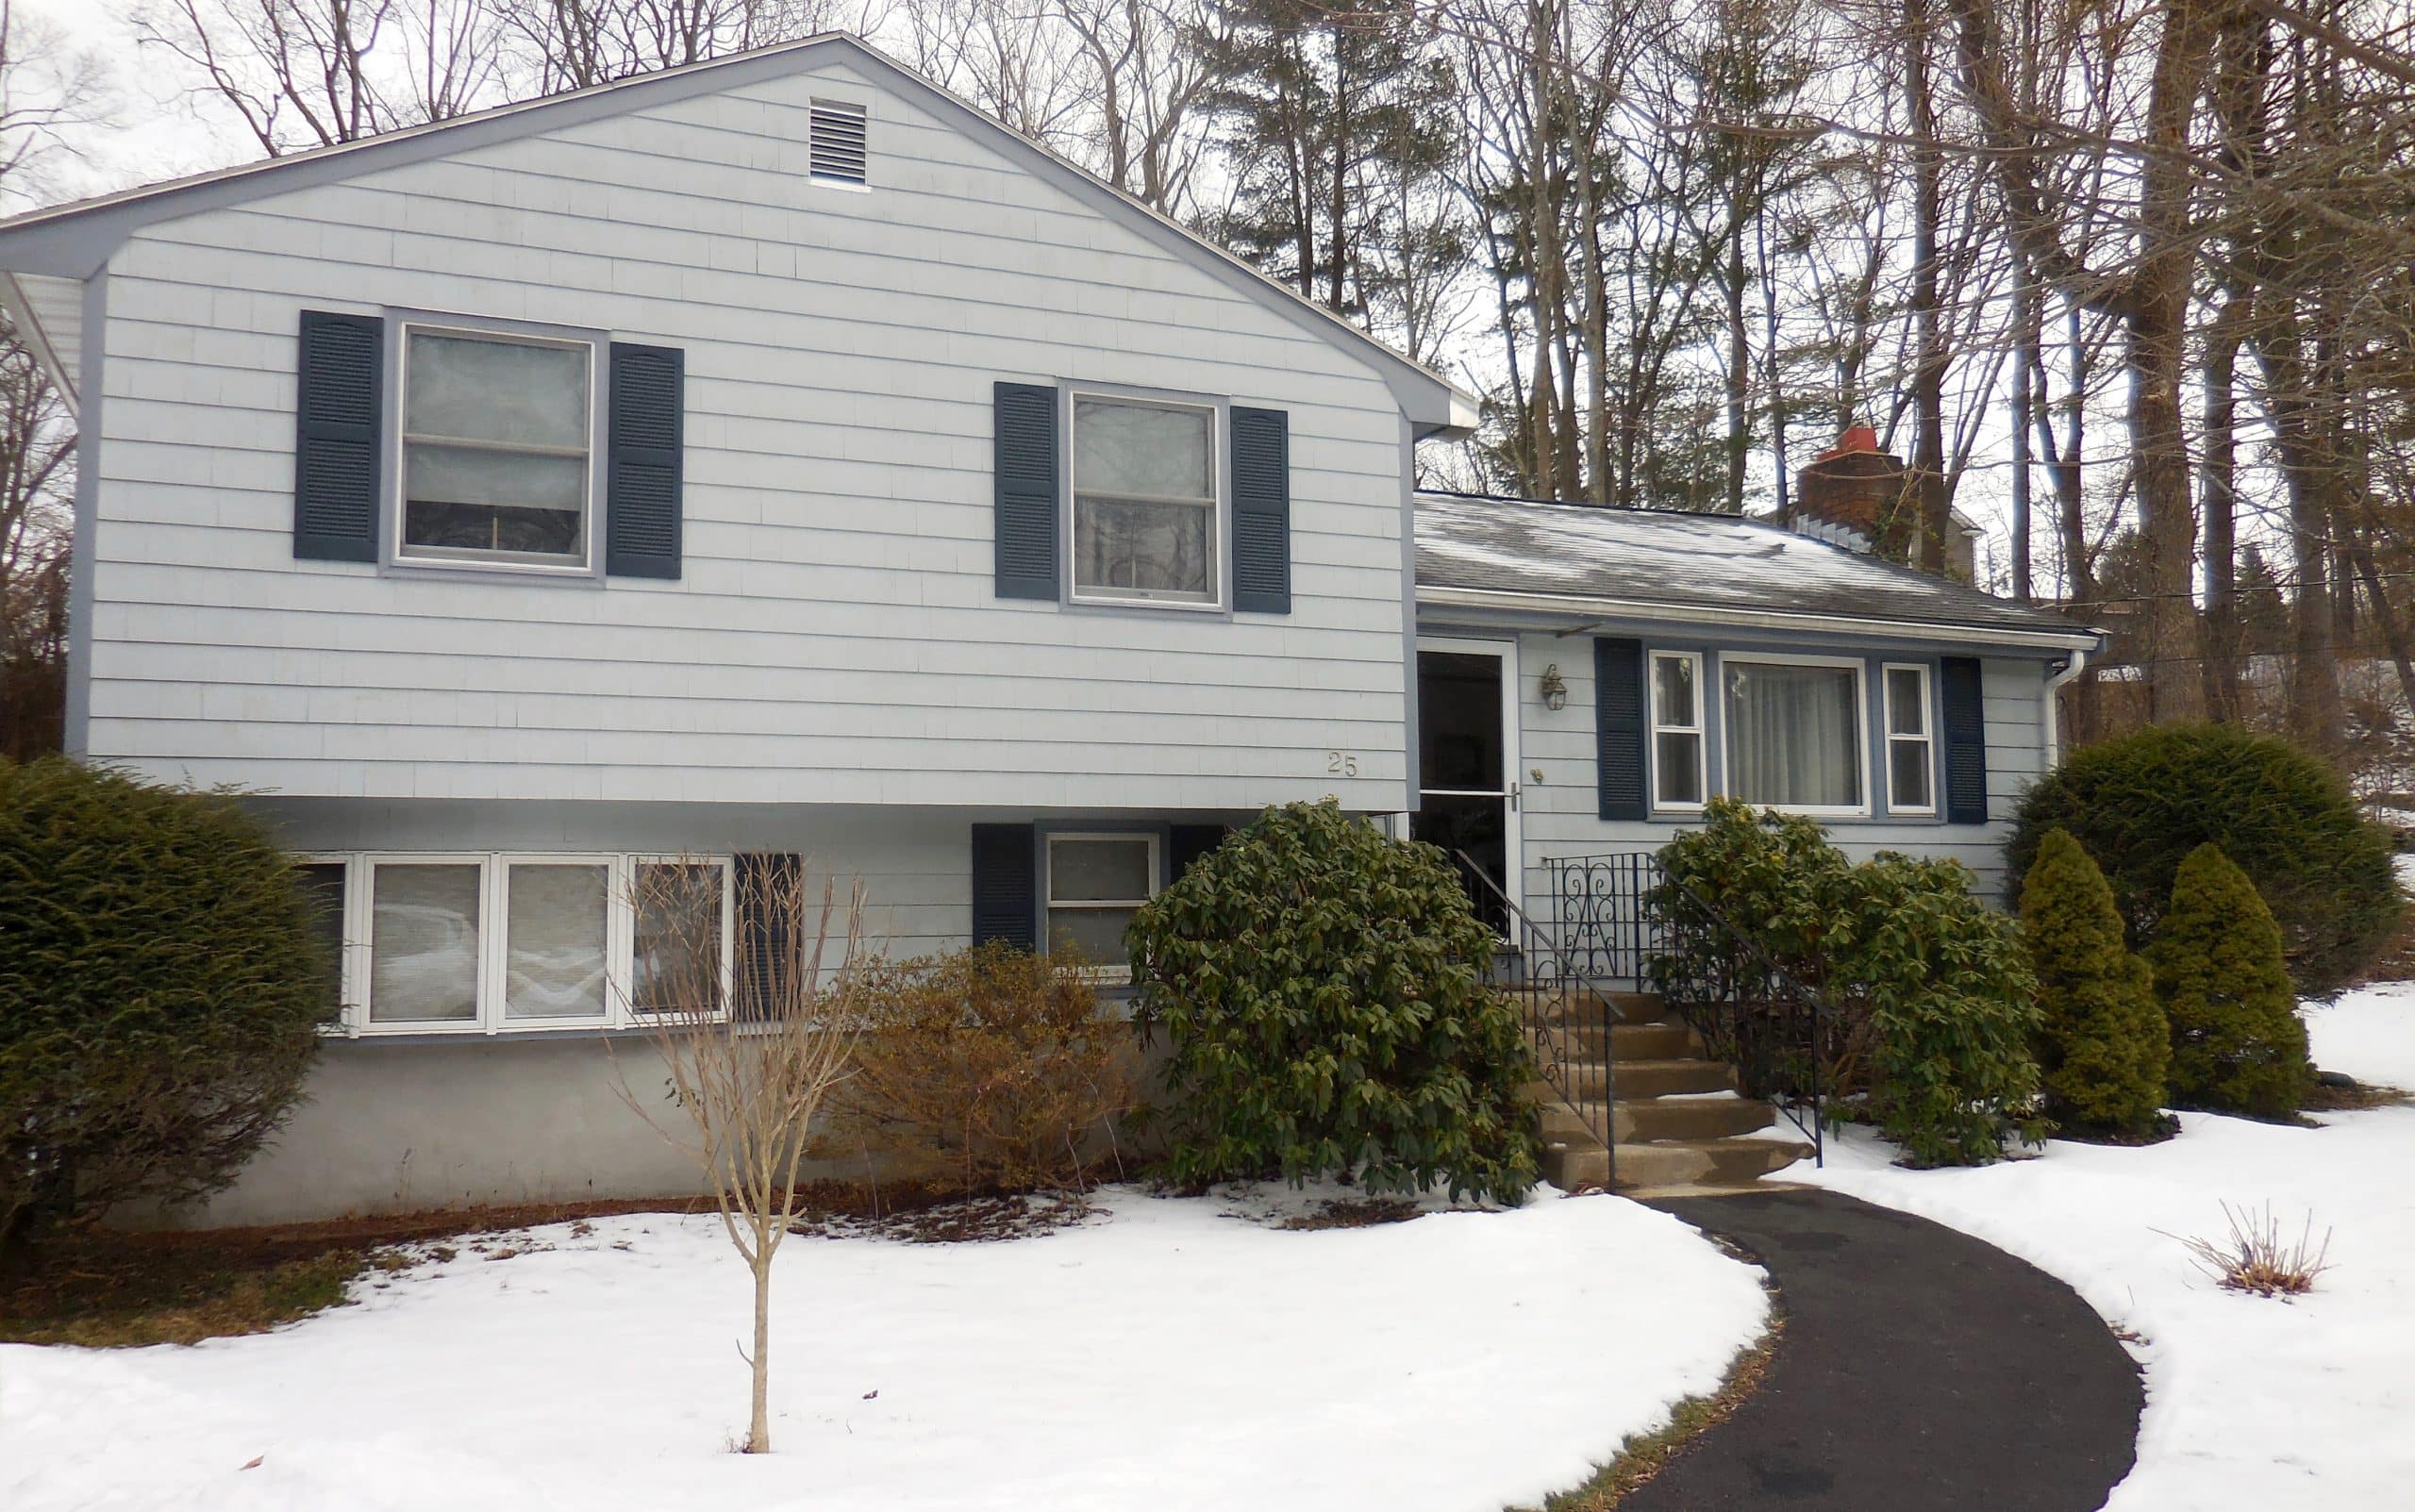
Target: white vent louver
{"points": [[835, 151]]}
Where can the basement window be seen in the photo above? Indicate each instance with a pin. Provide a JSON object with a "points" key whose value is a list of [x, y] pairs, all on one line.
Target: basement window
{"points": [[1096, 884]]}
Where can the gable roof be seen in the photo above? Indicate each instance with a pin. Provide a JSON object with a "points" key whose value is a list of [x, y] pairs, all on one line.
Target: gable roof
{"points": [[75, 240], [1564, 560]]}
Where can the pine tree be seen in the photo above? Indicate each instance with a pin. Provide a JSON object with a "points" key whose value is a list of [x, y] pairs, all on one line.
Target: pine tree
{"points": [[2237, 1043], [2106, 1045]]}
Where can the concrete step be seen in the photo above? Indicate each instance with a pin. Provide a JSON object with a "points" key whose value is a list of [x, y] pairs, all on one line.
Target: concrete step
{"points": [[1664, 1040], [1581, 1005], [1696, 1163], [1647, 1119], [1639, 1079]]}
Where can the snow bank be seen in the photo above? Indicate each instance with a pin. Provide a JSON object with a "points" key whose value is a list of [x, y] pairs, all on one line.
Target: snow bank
{"points": [[1168, 1355], [2250, 1403]]}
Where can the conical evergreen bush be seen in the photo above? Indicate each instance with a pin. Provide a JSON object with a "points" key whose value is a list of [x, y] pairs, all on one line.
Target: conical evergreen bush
{"points": [[2237, 1042], [2104, 1044]]}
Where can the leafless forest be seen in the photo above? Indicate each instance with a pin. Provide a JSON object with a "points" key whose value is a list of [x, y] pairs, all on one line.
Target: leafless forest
{"points": [[2130, 282]]}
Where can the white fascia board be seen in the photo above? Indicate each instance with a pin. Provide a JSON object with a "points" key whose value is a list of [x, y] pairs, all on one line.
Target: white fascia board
{"points": [[1555, 606]]}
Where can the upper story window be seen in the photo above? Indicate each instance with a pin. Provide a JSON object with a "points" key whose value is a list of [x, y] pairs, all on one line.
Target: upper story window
{"points": [[1676, 730], [1910, 770], [1794, 733], [1145, 510], [497, 450]]}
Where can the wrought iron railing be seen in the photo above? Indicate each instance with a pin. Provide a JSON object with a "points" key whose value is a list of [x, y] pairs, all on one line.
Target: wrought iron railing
{"points": [[1620, 918], [1750, 1009], [1600, 912], [1567, 1010]]}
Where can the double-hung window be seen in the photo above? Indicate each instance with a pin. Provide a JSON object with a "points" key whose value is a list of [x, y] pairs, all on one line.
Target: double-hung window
{"points": [[1794, 733], [1145, 510], [497, 450], [1676, 730], [1911, 784], [485, 942], [1096, 884]]}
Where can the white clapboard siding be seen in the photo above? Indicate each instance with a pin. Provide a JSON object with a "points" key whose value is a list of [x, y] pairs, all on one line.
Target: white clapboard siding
{"points": [[835, 636], [1560, 812]]}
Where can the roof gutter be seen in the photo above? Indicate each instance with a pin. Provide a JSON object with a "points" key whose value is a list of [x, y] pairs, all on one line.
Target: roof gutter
{"points": [[2079, 642]]}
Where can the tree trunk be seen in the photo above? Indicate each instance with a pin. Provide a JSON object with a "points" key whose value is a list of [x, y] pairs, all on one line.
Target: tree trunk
{"points": [[758, 1433], [2027, 371], [2221, 495], [1928, 497], [1740, 356]]}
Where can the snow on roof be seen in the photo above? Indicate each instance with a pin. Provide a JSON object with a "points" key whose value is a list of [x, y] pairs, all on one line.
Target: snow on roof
{"points": [[1710, 564]]}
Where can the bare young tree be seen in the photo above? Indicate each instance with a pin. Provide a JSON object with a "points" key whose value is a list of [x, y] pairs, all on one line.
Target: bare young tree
{"points": [[748, 1052]]}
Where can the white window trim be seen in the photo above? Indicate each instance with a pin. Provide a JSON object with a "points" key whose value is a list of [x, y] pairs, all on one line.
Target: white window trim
{"points": [[1653, 729], [366, 869], [398, 411], [1926, 740], [494, 943], [1114, 976], [1862, 725], [1217, 506]]}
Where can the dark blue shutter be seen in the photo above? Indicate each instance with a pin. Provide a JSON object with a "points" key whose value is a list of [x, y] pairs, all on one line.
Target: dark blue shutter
{"points": [[1966, 740], [763, 953], [1025, 476], [1006, 866], [647, 419], [1617, 728], [1261, 512], [338, 414]]}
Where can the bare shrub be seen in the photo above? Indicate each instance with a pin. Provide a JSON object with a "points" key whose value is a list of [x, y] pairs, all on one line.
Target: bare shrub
{"points": [[2256, 1256], [749, 1050], [986, 1069]]}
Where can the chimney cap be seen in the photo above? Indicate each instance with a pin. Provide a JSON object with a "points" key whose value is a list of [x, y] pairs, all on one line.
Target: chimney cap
{"points": [[1856, 437]]}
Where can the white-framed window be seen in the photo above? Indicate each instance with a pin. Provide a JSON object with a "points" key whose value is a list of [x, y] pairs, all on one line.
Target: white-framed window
{"points": [[1096, 883], [1147, 516], [1911, 760], [680, 906], [1677, 774], [490, 942], [494, 450], [1793, 728]]}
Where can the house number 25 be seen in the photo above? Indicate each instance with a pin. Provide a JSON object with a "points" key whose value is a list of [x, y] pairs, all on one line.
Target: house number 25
{"points": [[1342, 763]]}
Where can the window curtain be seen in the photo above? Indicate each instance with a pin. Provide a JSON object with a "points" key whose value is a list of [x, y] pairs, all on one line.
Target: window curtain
{"points": [[1793, 736]]}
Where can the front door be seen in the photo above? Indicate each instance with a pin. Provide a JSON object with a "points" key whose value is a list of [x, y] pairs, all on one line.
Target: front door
{"points": [[1467, 762]]}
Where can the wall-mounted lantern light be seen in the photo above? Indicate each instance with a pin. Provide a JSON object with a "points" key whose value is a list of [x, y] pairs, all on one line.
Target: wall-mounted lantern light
{"points": [[1555, 691]]}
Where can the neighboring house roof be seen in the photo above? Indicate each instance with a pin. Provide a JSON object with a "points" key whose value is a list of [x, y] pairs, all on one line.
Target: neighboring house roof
{"points": [[75, 241], [1586, 560]]}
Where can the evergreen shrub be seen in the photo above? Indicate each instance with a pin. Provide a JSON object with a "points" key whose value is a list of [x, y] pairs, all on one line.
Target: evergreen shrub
{"points": [[1322, 991], [2238, 1045], [2140, 804], [2103, 1045], [161, 993]]}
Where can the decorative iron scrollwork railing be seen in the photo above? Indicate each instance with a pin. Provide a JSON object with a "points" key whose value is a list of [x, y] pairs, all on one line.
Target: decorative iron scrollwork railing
{"points": [[1567, 1011], [1619, 918]]}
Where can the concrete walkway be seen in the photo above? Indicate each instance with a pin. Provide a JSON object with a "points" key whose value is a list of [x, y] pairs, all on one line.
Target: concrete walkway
{"points": [[1920, 1371]]}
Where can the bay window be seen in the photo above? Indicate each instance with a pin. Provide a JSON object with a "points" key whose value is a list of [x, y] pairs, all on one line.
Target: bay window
{"points": [[1794, 733], [1145, 511], [1096, 884], [1676, 730], [1911, 786], [489, 942]]}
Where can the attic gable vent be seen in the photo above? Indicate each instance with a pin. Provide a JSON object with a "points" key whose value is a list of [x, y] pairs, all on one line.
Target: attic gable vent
{"points": [[835, 151]]}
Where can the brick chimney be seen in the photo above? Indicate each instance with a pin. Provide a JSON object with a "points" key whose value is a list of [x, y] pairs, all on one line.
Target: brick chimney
{"points": [[1844, 493]]}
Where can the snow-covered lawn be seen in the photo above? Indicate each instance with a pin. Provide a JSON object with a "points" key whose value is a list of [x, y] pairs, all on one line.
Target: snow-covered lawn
{"points": [[2250, 1403], [1166, 1354]]}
